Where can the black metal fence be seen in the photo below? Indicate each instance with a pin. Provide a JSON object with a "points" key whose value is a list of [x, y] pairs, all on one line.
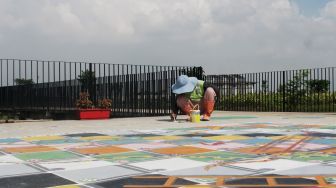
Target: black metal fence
{"points": [[309, 90], [54, 86], [145, 90]]}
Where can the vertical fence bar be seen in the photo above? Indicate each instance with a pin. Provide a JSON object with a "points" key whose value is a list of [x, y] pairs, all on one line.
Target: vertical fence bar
{"points": [[254, 98], [124, 90], [306, 90], [114, 99], [333, 82], [261, 92], [43, 87], [329, 102], [133, 90], [283, 91], [128, 93], [153, 77], [325, 93], [1, 85], [7, 86], [119, 92], [318, 93], [312, 95], [76, 85], [48, 90]]}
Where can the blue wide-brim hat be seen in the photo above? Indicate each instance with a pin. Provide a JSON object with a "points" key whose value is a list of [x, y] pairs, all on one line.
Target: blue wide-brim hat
{"points": [[184, 84]]}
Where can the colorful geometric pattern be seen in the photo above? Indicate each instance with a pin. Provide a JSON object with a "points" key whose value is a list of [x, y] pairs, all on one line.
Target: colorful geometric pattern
{"points": [[227, 154]]}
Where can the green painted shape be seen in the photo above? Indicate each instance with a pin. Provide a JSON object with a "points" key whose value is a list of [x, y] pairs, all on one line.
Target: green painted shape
{"points": [[311, 157], [188, 129], [46, 156], [128, 157], [330, 180], [328, 127], [62, 141], [233, 117], [219, 156]]}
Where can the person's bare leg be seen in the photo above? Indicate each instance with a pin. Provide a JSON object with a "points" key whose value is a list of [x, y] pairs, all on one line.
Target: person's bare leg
{"points": [[208, 103], [184, 104]]}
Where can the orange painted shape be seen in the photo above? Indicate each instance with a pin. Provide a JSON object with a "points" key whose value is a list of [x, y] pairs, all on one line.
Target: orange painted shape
{"points": [[29, 149], [329, 151], [260, 126], [255, 150], [170, 181], [101, 150], [271, 181], [181, 150], [220, 181], [321, 181]]}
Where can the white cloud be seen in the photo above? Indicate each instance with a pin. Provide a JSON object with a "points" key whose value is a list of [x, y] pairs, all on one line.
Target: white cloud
{"points": [[330, 10], [222, 35]]}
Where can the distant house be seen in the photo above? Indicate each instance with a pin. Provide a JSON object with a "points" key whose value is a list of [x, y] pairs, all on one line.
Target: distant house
{"points": [[233, 84]]}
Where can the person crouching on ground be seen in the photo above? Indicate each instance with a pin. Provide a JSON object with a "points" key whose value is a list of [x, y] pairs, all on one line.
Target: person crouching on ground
{"points": [[189, 91]]}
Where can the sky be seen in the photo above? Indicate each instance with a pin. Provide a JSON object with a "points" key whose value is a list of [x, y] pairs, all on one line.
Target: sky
{"points": [[223, 36]]}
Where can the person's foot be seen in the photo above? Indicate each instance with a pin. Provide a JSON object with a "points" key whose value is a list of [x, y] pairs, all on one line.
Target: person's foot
{"points": [[173, 117], [206, 118]]}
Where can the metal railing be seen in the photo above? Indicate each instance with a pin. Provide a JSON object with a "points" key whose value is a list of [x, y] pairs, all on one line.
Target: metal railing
{"points": [[306, 90], [145, 90], [54, 86]]}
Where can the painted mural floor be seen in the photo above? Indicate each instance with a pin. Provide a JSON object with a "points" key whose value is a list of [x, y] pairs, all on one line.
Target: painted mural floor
{"points": [[251, 153]]}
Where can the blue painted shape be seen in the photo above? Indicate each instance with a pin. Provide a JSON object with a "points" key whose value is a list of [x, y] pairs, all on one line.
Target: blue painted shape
{"points": [[254, 141], [259, 123], [122, 141], [188, 141], [323, 141], [10, 140]]}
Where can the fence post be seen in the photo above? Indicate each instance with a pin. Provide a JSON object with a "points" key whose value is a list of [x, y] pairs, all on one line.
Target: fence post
{"points": [[283, 91], [90, 87]]}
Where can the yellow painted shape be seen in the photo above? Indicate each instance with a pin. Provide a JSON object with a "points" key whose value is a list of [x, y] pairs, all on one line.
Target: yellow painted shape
{"points": [[29, 149], [67, 186], [212, 127], [164, 138], [40, 138], [227, 137], [101, 150], [100, 138]]}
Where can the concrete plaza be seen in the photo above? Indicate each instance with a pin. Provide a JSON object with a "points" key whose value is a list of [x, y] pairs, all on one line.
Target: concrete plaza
{"points": [[234, 149]]}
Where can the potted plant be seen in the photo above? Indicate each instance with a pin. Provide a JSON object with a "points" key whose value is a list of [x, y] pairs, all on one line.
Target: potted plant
{"points": [[105, 103], [86, 109]]}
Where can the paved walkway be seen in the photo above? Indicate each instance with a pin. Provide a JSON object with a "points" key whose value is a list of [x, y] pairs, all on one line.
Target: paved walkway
{"points": [[231, 150]]}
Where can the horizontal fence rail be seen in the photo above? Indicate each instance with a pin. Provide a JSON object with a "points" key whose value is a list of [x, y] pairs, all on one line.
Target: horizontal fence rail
{"points": [[308, 90], [54, 86]]}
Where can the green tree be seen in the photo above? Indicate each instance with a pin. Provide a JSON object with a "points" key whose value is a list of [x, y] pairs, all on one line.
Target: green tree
{"points": [[294, 90], [264, 86], [318, 86], [22, 81], [86, 78]]}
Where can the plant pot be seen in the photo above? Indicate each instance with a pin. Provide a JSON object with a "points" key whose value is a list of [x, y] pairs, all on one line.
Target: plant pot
{"points": [[94, 113]]}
